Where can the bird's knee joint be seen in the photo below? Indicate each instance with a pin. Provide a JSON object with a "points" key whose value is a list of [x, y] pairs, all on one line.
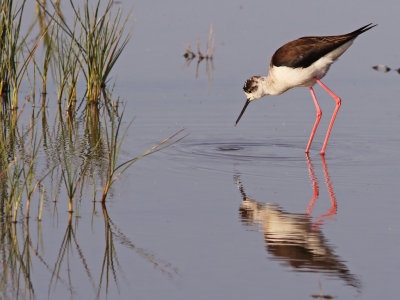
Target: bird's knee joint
{"points": [[319, 114], [338, 101]]}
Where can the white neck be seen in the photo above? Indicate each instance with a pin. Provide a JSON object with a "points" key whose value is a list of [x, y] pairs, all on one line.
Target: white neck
{"points": [[275, 83], [270, 86], [265, 86]]}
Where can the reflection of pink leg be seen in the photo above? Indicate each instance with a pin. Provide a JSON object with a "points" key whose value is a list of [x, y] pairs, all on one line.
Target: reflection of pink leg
{"points": [[319, 114], [315, 185], [338, 102], [333, 209]]}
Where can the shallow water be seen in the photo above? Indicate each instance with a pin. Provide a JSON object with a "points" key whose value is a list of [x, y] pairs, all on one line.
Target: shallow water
{"points": [[241, 212]]}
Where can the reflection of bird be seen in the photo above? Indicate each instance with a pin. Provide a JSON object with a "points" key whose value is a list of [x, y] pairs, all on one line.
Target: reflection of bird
{"points": [[302, 62], [293, 238]]}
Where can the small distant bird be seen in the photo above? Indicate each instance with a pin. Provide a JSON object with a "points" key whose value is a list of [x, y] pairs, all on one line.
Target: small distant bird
{"points": [[302, 62]]}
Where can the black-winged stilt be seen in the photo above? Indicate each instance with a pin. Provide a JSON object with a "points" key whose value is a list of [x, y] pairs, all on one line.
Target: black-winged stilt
{"points": [[302, 62]]}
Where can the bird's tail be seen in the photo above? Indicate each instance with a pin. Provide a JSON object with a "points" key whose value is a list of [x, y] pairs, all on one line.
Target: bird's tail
{"points": [[363, 29]]}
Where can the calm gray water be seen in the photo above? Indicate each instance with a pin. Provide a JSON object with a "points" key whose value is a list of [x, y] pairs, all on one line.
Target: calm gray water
{"points": [[241, 212]]}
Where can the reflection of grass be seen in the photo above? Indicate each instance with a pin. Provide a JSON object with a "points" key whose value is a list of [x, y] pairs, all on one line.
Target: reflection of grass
{"points": [[16, 268], [40, 163], [113, 234], [86, 153], [63, 256], [114, 143], [21, 255], [73, 168], [18, 153]]}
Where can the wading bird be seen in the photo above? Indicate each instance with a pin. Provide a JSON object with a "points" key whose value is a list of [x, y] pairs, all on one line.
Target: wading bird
{"points": [[302, 62]]}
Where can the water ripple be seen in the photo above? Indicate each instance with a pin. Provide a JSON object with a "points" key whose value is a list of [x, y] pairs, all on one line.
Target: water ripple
{"points": [[266, 150]]}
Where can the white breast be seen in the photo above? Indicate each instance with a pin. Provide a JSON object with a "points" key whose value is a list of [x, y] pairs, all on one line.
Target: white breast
{"points": [[282, 78]]}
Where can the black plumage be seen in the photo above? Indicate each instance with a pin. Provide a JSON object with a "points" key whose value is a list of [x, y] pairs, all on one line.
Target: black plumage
{"points": [[311, 48]]}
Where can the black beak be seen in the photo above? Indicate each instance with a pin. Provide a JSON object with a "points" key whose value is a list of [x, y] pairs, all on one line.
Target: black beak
{"points": [[241, 113]]}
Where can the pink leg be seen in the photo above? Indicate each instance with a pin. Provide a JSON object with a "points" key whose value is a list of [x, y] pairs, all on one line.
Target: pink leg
{"points": [[338, 102], [319, 114]]}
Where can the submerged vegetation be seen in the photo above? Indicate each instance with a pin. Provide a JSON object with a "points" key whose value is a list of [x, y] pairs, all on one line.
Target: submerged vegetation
{"points": [[73, 157]]}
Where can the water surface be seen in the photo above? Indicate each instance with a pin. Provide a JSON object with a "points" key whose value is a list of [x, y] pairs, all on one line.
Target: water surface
{"points": [[241, 212]]}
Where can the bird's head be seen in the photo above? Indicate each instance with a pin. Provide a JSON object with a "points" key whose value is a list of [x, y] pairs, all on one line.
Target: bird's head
{"points": [[253, 89]]}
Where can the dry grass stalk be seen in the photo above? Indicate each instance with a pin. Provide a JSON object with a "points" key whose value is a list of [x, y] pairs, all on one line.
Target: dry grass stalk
{"points": [[210, 50]]}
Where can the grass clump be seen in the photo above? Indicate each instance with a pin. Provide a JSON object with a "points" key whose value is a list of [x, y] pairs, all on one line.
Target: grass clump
{"points": [[95, 37]]}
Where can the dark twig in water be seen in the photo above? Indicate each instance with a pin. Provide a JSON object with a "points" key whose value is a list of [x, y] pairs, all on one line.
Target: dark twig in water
{"points": [[189, 55], [381, 68], [384, 68], [209, 54]]}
